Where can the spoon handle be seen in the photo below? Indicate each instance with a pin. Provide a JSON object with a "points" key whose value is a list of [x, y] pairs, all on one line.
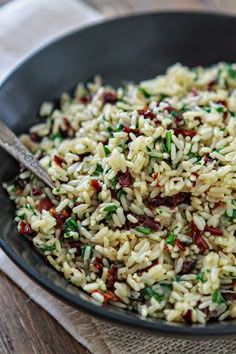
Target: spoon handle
{"points": [[10, 143]]}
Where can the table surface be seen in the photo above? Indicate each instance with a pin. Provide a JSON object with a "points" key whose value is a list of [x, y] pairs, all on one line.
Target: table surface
{"points": [[39, 332]]}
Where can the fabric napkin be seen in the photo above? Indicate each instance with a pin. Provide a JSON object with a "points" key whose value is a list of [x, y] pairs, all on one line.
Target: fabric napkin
{"points": [[36, 22]]}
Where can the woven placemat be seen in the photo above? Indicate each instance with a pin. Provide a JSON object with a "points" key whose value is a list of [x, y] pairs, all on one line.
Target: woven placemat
{"points": [[99, 337]]}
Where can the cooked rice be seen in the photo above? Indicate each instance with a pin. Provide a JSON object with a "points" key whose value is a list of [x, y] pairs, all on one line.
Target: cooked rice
{"points": [[143, 214]]}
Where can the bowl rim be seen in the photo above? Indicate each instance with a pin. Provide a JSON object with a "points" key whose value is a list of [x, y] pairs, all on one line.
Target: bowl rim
{"points": [[159, 328]]}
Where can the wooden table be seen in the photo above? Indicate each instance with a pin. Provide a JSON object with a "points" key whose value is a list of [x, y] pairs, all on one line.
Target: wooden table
{"points": [[25, 328]]}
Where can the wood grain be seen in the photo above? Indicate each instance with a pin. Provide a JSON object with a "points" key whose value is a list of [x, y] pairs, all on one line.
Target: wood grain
{"points": [[25, 328]]}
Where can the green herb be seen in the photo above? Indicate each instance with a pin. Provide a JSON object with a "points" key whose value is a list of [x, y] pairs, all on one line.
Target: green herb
{"points": [[58, 189], [111, 207], [144, 92], [168, 141], [98, 170], [119, 127], [47, 248], [155, 154], [109, 129], [106, 150], [218, 75], [13, 189], [122, 146], [200, 276], [156, 139], [184, 108], [230, 71], [217, 297], [222, 129], [147, 292], [55, 136], [166, 284], [113, 182], [28, 206], [162, 96], [144, 230], [170, 239], [83, 249], [119, 193], [163, 147], [218, 150], [177, 278], [109, 215], [233, 216], [70, 225], [148, 149], [207, 109], [174, 113], [220, 108]]}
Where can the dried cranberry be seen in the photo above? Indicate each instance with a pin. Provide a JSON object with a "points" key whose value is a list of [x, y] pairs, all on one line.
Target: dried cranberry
{"points": [[135, 131], [229, 295], [25, 229], [217, 205], [112, 277], [85, 99], [214, 230], [188, 266], [200, 242], [95, 184], [150, 222], [172, 201], [211, 85], [36, 190], [208, 159], [58, 160], [187, 315], [147, 113], [109, 97], [180, 245], [97, 263], [60, 217], [45, 204], [35, 137], [77, 246], [67, 123], [124, 179], [185, 132]]}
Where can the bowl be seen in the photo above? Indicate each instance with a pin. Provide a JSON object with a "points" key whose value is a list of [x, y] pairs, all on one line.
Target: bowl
{"points": [[131, 48]]}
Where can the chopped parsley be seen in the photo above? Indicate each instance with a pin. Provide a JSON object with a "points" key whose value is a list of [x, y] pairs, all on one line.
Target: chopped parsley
{"points": [[106, 150], [148, 292], [200, 276], [168, 141], [170, 239], [217, 297], [144, 92], [111, 207], [144, 230], [98, 170], [70, 225]]}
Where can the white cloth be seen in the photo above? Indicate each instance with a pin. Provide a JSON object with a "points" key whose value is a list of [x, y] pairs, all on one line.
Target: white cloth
{"points": [[26, 25]]}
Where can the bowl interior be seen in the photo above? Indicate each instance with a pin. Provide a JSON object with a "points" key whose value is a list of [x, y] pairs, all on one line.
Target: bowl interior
{"points": [[132, 48]]}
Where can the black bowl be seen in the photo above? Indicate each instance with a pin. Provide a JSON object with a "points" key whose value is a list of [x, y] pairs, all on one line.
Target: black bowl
{"points": [[131, 48]]}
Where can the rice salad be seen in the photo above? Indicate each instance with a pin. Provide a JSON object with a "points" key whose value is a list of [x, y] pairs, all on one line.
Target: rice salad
{"points": [[143, 213]]}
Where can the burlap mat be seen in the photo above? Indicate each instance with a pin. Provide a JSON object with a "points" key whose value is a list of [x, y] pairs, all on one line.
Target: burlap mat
{"points": [[98, 336]]}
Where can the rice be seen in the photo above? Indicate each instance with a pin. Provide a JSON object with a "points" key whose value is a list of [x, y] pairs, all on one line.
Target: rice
{"points": [[143, 213]]}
